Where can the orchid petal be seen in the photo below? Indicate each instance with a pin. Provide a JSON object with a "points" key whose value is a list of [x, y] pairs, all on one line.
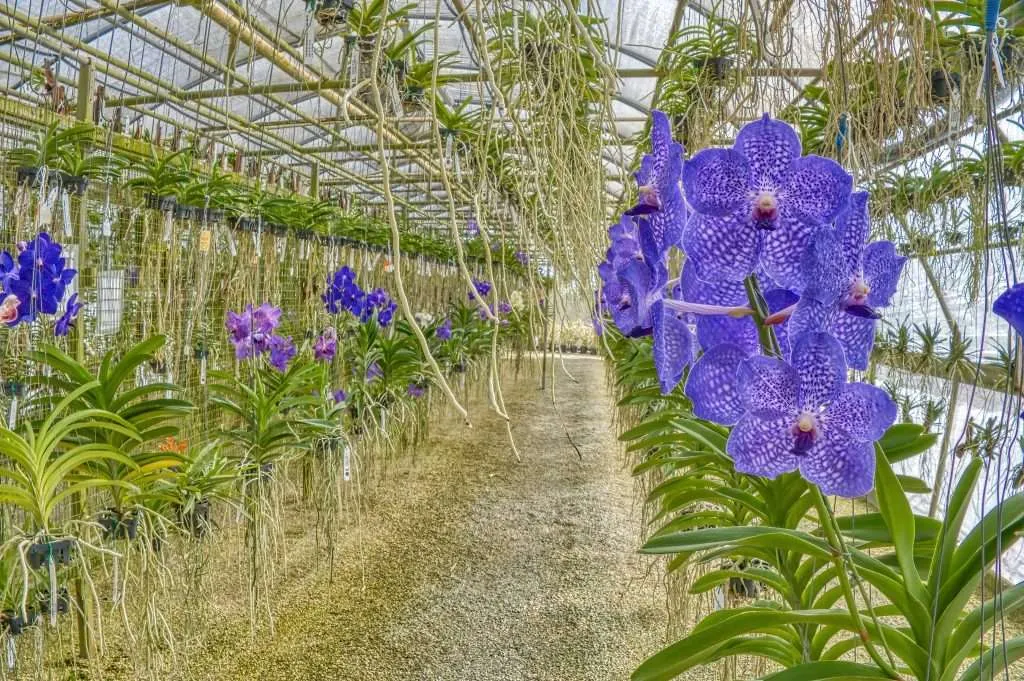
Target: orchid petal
{"points": [[864, 412], [768, 384], [721, 248], [882, 270], [770, 146], [711, 385], [717, 181], [816, 189], [819, 361], [762, 444], [839, 465], [673, 346]]}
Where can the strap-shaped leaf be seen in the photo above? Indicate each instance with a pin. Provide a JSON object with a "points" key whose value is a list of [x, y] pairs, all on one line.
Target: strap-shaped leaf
{"points": [[832, 670], [895, 509]]}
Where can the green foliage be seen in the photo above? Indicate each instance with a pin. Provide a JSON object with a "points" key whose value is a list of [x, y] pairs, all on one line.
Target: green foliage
{"points": [[151, 415]]}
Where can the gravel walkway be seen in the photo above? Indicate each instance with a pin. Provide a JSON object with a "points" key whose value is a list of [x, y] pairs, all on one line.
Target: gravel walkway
{"points": [[471, 566]]}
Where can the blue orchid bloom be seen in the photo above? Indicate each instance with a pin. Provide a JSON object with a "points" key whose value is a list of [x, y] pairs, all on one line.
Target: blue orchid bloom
{"points": [[848, 283], [803, 415], [759, 202]]}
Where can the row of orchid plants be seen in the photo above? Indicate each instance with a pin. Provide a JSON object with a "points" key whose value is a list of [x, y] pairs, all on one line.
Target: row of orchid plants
{"points": [[737, 397], [97, 457]]}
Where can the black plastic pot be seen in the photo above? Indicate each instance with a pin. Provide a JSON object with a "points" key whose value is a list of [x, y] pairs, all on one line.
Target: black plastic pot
{"points": [[63, 601], [76, 184], [266, 471], [14, 389], [183, 212], [744, 587], [196, 520], [119, 524], [59, 552], [943, 84], [164, 203], [15, 624], [31, 175], [717, 68]]}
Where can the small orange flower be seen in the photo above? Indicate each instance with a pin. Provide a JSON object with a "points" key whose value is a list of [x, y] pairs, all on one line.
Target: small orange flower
{"points": [[172, 444]]}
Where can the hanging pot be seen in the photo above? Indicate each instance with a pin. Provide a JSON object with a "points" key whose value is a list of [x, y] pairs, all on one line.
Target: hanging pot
{"points": [[58, 552], [196, 520], [119, 524], [943, 84], [63, 600], [716, 68], [15, 624], [331, 13]]}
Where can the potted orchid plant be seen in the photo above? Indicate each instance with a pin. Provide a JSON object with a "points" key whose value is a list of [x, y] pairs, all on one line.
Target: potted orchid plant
{"points": [[784, 290]]}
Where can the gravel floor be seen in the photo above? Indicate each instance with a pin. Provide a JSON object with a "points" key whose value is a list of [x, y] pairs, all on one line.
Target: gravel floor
{"points": [[472, 566]]}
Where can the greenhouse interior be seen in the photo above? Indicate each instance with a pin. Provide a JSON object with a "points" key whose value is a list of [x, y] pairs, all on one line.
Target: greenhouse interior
{"points": [[359, 340]]}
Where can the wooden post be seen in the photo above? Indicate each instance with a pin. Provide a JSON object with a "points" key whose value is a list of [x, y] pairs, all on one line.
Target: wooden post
{"points": [[314, 181], [83, 113]]}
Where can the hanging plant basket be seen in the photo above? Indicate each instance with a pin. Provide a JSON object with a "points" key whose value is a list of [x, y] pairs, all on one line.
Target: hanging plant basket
{"points": [[32, 176], [944, 83], [63, 600], [13, 624], [41, 554], [119, 524], [716, 68], [332, 13], [196, 520], [162, 203]]}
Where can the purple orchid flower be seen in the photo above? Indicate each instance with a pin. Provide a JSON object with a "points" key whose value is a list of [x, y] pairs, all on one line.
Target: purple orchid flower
{"points": [[802, 415], [339, 395], [848, 282], [472, 229], [282, 350], [523, 258], [504, 307], [71, 310], [1010, 306], [326, 346], [759, 201], [416, 391], [660, 200], [482, 286], [39, 278], [373, 372], [444, 332], [343, 293]]}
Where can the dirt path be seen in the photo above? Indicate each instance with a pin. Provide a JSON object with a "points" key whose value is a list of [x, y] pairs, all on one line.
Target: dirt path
{"points": [[475, 567]]}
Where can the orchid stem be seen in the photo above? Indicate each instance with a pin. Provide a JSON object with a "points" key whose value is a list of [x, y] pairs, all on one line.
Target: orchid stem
{"points": [[769, 343], [827, 522]]}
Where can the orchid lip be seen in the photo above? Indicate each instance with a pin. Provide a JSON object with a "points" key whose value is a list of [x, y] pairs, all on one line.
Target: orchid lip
{"points": [[863, 311]]}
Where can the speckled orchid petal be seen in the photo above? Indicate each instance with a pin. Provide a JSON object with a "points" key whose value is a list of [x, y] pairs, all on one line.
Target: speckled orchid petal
{"points": [[768, 384], [855, 334], [1010, 306], [715, 292], [770, 146], [762, 444], [810, 315], [882, 270], [816, 189], [839, 465], [714, 330], [863, 412], [785, 250], [711, 385], [717, 182], [819, 361], [673, 346], [721, 248]]}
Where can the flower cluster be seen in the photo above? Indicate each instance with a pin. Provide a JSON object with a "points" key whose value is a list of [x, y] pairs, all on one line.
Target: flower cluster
{"points": [[252, 334], [764, 229], [326, 346], [416, 391], [482, 286], [344, 293], [35, 282], [444, 331]]}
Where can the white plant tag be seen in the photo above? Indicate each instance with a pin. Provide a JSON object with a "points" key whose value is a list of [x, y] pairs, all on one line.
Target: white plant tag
{"points": [[12, 413], [169, 393], [346, 464], [202, 370], [168, 227], [107, 227], [232, 246], [12, 652], [65, 208]]}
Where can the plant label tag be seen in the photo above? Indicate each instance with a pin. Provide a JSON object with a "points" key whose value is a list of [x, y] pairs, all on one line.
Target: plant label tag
{"points": [[65, 209], [232, 246], [107, 227], [12, 413], [169, 393], [346, 464], [12, 652], [205, 237], [168, 227], [202, 370]]}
